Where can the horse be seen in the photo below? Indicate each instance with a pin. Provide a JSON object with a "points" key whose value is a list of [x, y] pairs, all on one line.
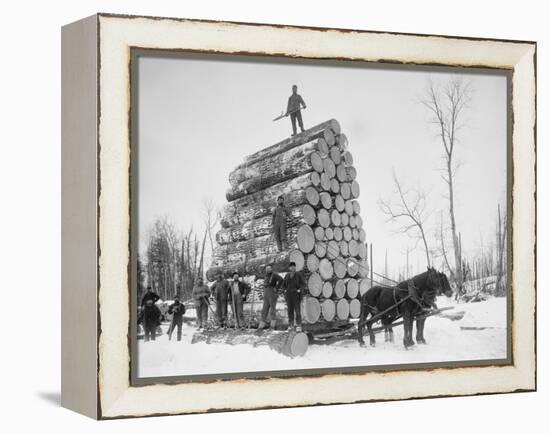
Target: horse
{"points": [[395, 301]]}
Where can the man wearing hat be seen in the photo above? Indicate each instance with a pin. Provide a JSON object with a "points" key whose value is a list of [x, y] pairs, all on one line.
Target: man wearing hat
{"points": [[239, 292], [201, 294], [150, 319], [221, 292], [272, 284], [293, 108], [177, 309], [149, 295], [280, 215], [293, 285]]}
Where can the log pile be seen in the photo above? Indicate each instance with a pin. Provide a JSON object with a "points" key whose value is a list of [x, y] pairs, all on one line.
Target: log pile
{"points": [[314, 173]]}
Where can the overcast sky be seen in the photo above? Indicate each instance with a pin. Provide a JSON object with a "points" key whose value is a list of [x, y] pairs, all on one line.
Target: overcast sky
{"points": [[199, 116]]}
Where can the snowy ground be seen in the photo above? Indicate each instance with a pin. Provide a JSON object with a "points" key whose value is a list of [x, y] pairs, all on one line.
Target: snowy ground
{"points": [[479, 335]]}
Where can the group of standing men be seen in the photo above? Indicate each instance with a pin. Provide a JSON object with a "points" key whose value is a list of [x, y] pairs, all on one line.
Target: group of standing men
{"points": [[235, 292], [224, 292]]}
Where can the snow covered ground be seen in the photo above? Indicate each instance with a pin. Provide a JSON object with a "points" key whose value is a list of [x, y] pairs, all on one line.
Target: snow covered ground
{"points": [[479, 335]]}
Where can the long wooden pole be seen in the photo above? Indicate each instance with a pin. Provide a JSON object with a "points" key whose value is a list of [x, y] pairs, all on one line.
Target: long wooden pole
{"points": [[371, 271]]}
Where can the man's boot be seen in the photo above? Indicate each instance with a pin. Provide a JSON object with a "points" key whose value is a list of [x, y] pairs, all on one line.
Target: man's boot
{"points": [[262, 325], [272, 324]]}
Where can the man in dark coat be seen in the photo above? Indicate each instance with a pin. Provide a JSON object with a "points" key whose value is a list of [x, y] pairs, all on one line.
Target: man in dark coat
{"points": [[239, 291], [293, 285], [272, 285], [150, 319], [280, 215], [201, 295], [149, 295], [220, 291], [177, 310], [293, 108]]}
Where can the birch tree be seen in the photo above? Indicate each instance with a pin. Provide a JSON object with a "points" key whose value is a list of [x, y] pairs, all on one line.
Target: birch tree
{"points": [[446, 105]]}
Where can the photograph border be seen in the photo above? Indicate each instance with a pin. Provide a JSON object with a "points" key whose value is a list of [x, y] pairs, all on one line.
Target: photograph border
{"points": [[138, 52]]}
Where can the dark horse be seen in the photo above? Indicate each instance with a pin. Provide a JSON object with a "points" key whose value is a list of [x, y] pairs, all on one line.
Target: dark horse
{"points": [[424, 288]]}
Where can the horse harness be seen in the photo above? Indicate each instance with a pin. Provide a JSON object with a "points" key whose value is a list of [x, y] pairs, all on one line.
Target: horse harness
{"points": [[397, 302]]}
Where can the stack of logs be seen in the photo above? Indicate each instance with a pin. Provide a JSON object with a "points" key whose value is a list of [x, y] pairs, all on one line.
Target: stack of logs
{"points": [[314, 173]]}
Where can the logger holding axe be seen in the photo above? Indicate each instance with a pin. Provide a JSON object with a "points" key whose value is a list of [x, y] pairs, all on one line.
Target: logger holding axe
{"points": [[295, 105]]}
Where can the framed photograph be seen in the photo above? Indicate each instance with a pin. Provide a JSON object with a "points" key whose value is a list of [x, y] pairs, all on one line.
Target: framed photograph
{"points": [[262, 216]]}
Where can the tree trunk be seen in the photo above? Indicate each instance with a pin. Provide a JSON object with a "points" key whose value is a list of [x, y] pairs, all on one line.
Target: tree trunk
{"points": [[252, 248], [311, 310], [275, 170], [352, 288], [312, 262], [354, 308], [325, 269], [308, 135], [456, 248], [342, 309], [328, 310], [342, 142], [326, 200], [290, 344], [335, 155], [339, 290], [327, 290], [264, 225], [314, 284], [329, 168], [296, 191], [340, 266], [364, 286]]}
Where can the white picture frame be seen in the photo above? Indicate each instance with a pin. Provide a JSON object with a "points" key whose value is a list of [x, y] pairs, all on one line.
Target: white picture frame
{"points": [[96, 356]]}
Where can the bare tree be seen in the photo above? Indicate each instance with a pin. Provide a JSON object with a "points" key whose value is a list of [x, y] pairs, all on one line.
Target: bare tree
{"points": [[211, 216], [446, 105], [500, 252], [440, 236], [410, 211]]}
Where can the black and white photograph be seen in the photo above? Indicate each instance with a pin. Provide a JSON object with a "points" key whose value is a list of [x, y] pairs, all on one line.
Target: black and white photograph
{"points": [[302, 216]]}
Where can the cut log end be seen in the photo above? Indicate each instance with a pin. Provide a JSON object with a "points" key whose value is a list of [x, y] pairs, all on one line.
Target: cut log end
{"points": [[316, 161], [311, 310], [342, 309], [328, 310], [305, 239], [354, 308], [315, 284], [297, 344]]}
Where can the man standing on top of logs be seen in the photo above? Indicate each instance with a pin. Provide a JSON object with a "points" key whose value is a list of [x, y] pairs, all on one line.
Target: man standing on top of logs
{"points": [[295, 104], [220, 290], [280, 214], [272, 284], [293, 285], [201, 294], [239, 292]]}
